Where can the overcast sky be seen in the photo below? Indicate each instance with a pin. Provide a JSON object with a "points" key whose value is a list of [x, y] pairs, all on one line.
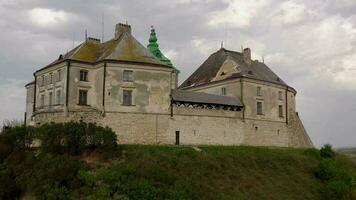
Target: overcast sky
{"points": [[309, 44]]}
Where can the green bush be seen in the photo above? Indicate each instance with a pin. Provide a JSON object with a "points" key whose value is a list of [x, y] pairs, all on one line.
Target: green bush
{"points": [[326, 170], [326, 151], [336, 190], [18, 137], [8, 187], [73, 137]]}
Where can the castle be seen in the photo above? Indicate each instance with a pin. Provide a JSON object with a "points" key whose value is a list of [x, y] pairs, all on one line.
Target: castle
{"points": [[229, 100]]}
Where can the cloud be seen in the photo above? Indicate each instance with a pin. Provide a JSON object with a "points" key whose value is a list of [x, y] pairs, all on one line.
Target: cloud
{"points": [[12, 104], [44, 17], [238, 14]]}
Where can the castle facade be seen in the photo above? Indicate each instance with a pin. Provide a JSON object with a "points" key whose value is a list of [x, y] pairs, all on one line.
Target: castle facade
{"points": [[229, 100]]}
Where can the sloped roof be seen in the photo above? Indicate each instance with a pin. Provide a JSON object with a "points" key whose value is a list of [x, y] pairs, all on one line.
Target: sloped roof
{"points": [[199, 97], [211, 66], [123, 48]]}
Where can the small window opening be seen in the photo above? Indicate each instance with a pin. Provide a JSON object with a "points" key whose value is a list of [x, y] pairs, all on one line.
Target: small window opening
{"points": [[83, 75]]}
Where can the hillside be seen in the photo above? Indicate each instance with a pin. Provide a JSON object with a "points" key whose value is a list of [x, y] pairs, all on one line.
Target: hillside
{"points": [[171, 172], [350, 152]]}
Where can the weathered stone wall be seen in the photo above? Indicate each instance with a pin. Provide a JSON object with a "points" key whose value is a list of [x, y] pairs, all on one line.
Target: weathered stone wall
{"points": [[29, 103]]}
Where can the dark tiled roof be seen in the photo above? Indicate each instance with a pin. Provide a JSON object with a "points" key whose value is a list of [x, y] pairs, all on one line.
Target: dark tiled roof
{"points": [[203, 98], [209, 69]]}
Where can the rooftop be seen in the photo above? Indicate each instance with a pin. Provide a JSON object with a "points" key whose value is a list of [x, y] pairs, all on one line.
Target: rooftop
{"points": [[225, 64], [123, 47]]}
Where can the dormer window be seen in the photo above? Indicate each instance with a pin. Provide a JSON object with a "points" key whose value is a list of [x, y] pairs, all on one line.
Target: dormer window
{"points": [[83, 75], [128, 75], [223, 73]]}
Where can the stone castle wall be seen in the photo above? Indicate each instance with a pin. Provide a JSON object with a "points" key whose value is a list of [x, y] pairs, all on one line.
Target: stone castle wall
{"points": [[195, 126]]}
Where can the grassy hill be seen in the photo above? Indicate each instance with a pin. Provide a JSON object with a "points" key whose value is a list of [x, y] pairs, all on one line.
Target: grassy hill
{"points": [[177, 172], [350, 152]]}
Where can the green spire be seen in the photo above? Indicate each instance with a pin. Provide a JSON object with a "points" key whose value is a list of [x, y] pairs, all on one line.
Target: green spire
{"points": [[154, 49]]}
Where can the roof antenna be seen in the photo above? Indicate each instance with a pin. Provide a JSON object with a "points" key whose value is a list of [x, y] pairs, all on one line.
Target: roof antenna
{"points": [[242, 49], [102, 27], [225, 35], [73, 39], [263, 59], [222, 44], [86, 34]]}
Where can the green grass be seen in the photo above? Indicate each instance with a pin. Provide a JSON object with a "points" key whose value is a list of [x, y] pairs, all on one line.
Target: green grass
{"points": [[215, 172], [231, 172]]}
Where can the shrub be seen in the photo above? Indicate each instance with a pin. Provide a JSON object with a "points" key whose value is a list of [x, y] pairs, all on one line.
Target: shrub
{"points": [[336, 190], [74, 137], [326, 170], [18, 137], [326, 151], [8, 187]]}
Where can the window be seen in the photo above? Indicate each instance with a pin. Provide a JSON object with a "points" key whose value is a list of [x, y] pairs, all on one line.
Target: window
{"points": [[50, 99], [59, 75], [42, 80], [128, 75], [83, 75], [83, 96], [259, 91], [42, 100], [127, 97], [58, 97], [280, 110], [259, 108], [280, 95], [50, 78], [223, 91]]}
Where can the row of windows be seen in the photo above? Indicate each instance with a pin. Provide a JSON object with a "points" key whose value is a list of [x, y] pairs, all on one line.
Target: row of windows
{"points": [[83, 76], [259, 105], [126, 97], [50, 98], [259, 92], [50, 78], [259, 108], [127, 75]]}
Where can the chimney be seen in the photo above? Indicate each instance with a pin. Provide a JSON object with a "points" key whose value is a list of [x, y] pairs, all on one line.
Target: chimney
{"points": [[247, 55], [122, 28]]}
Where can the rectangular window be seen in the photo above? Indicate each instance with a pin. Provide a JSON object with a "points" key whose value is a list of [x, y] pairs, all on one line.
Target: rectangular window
{"points": [[42, 80], [83, 75], [50, 99], [259, 108], [50, 78], [280, 95], [223, 91], [83, 96], [280, 110], [259, 93], [58, 97], [127, 97], [128, 75], [59, 75], [42, 100]]}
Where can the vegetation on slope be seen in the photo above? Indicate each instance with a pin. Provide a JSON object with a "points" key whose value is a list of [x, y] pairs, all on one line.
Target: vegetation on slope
{"points": [[101, 170]]}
